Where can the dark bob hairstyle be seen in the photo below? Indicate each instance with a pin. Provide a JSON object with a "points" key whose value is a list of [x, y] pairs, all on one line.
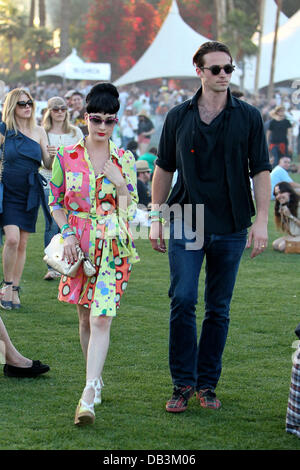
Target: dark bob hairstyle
{"points": [[103, 98], [293, 203]]}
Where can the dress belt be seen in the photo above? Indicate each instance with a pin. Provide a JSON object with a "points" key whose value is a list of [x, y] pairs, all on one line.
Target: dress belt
{"points": [[36, 193]]}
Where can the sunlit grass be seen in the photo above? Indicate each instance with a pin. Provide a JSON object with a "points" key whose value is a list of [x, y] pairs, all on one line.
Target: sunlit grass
{"points": [[254, 386]]}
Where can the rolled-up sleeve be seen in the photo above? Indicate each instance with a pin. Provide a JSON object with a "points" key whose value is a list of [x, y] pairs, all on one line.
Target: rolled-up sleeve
{"points": [[129, 173], [259, 159], [57, 183], [166, 155]]}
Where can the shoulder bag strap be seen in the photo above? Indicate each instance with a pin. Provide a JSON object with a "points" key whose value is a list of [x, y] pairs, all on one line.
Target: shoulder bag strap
{"points": [[2, 157]]}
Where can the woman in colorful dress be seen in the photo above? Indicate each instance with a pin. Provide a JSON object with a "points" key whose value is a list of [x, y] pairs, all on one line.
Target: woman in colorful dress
{"points": [[94, 183], [24, 147]]}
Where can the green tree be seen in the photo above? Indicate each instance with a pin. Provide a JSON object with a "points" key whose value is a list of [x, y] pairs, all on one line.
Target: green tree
{"points": [[12, 26], [37, 43], [70, 16], [237, 35]]}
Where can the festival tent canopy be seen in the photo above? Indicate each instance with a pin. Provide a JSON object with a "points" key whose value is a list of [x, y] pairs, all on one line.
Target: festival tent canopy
{"points": [[270, 11], [170, 54], [74, 68], [287, 63]]}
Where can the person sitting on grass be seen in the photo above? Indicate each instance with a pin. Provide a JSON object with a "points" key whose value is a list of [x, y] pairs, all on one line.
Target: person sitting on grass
{"points": [[280, 173], [287, 214]]}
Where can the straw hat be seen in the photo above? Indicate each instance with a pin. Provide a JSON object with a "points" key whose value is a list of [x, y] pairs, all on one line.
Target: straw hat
{"points": [[56, 101], [142, 166]]}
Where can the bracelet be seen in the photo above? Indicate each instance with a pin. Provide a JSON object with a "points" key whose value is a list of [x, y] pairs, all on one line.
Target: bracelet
{"points": [[154, 214], [67, 234], [64, 227], [158, 219]]}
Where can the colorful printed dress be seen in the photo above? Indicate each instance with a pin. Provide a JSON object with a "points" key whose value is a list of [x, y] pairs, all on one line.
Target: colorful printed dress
{"points": [[90, 202]]}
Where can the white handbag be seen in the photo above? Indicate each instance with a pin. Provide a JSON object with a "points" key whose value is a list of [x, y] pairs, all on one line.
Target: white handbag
{"points": [[54, 258]]}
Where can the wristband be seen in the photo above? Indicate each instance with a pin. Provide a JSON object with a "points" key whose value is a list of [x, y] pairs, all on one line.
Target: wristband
{"points": [[64, 227], [157, 219], [67, 234], [154, 214]]}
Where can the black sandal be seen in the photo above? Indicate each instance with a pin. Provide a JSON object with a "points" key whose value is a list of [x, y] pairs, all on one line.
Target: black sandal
{"points": [[16, 289], [6, 304]]}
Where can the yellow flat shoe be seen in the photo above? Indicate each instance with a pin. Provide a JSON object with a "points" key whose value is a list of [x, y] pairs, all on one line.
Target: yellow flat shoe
{"points": [[84, 414]]}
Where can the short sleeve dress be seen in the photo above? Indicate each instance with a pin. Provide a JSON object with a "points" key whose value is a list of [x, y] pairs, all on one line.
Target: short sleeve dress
{"points": [[103, 231], [23, 185]]}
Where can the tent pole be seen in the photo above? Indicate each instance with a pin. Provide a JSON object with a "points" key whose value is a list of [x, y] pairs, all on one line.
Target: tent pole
{"points": [[261, 32], [271, 83]]}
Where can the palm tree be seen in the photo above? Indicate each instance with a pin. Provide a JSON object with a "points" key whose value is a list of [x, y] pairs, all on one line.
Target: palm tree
{"points": [[221, 10], [12, 25], [271, 83], [31, 14], [42, 13], [65, 16]]}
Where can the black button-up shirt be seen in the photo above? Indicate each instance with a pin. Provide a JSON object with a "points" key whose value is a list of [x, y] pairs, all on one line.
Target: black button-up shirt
{"points": [[214, 161]]}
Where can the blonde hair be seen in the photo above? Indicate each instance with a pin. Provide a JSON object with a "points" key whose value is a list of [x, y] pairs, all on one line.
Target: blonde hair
{"points": [[276, 111], [9, 106], [47, 123]]}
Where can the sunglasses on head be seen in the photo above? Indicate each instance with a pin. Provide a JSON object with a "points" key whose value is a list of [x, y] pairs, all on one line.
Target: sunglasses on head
{"points": [[56, 109], [216, 69], [23, 104], [108, 121]]}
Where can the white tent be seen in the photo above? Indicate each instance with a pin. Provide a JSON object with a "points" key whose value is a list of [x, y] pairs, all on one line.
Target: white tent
{"points": [[170, 54], [287, 61], [74, 68], [270, 17]]}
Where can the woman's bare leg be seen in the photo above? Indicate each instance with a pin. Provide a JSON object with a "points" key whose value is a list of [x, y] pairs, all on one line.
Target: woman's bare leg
{"points": [[9, 352]]}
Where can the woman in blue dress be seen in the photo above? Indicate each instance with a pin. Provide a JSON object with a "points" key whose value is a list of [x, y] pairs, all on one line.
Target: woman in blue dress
{"points": [[24, 146]]}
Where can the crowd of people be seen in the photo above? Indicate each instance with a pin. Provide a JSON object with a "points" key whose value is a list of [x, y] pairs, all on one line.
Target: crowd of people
{"points": [[90, 154]]}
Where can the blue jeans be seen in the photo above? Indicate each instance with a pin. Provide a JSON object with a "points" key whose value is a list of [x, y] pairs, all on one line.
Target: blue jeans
{"points": [[199, 365]]}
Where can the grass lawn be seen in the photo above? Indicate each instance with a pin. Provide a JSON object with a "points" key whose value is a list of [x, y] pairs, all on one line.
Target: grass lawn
{"points": [[254, 386]]}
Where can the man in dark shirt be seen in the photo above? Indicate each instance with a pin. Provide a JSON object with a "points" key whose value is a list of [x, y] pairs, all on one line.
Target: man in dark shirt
{"points": [[279, 134], [215, 142], [143, 178]]}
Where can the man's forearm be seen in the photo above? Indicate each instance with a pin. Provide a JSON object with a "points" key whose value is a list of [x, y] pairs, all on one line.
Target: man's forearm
{"points": [[161, 185], [262, 191]]}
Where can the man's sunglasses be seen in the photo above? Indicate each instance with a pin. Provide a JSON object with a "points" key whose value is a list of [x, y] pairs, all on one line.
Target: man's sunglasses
{"points": [[107, 122], [216, 69], [59, 108], [23, 104]]}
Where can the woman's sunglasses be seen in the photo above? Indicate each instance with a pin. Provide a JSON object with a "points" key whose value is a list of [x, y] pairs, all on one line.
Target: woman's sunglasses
{"points": [[59, 108], [216, 69], [23, 104], [108, 122]]}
